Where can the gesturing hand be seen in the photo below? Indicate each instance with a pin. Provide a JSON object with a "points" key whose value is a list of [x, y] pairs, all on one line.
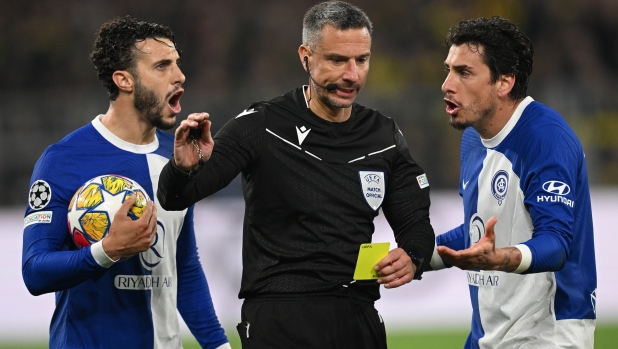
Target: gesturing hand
{"points": [[186, 154], [483, 255]]}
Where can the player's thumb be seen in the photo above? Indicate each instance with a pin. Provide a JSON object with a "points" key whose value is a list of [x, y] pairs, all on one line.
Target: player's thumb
{"points": [[490, 228]]}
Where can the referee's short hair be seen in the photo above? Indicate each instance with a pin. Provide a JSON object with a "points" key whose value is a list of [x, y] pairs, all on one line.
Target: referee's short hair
{"points": [[339, 14]]}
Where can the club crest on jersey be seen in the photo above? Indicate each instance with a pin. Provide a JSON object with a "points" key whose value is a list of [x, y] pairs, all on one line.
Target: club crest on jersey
{"points": [[39, 195], [476, 229], [372, 183], [154, 255], [500, 185]]}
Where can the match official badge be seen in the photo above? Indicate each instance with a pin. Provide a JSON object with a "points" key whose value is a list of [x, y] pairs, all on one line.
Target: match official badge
{"points": [[500, 185], [373, 187]]}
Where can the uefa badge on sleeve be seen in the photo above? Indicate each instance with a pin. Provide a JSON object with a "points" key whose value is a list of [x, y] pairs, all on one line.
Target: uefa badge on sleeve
{"points": [[372, 183], [39, 195]]}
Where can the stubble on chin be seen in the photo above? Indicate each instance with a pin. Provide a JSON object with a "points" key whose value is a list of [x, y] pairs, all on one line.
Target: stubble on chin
{"points": [[151, 107], [459, 125]]}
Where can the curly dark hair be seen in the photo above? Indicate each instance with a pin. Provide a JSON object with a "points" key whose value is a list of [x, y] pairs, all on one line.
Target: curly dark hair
{"points": [[506, 49], [114, 47]]}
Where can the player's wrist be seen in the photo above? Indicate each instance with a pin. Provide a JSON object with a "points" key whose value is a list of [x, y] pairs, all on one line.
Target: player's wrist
{"points": [[100, 256]]}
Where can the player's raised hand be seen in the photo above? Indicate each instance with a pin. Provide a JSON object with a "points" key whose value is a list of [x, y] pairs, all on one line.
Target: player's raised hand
{"points": [[127, 237], [395, 269], [186, 150], [483, 255]]}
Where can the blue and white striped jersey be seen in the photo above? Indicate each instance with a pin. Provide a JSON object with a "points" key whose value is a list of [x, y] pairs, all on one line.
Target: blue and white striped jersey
{"points": [[101, 304], [532, 176]]}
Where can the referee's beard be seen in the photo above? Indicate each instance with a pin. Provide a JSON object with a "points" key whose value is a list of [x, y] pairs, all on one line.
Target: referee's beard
{"points": [[323, 96]]}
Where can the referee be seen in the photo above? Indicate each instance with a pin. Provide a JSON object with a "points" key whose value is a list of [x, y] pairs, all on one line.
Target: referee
{"points": [[316, 168]]}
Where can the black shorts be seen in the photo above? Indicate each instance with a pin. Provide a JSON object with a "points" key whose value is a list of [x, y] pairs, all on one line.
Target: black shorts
{"points": [[311, 323]]}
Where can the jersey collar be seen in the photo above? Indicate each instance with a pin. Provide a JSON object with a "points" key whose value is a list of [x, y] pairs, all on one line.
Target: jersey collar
{"points": [[124, 145], [497, 139]]}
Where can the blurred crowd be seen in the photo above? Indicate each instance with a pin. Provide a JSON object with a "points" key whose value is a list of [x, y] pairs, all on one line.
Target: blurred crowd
{"points": [[238, 51]]}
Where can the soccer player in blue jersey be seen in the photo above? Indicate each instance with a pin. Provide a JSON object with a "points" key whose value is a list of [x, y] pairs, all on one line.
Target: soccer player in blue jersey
{"points": [[103, 299], [527, 240]]}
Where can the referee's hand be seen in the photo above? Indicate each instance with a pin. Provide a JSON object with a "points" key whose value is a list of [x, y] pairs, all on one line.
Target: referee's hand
{"points": [[395, 269], [193, 141]]}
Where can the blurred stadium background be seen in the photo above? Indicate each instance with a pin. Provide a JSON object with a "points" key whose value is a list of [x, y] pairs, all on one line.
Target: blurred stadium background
{"points": [[238, 51]]}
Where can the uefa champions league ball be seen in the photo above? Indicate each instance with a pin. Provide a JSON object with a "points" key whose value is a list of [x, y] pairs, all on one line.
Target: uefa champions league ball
{"points": [[94, 205]]}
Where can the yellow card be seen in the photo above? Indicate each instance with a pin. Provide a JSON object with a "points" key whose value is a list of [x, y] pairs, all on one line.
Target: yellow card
{"points": [[368, 256]]}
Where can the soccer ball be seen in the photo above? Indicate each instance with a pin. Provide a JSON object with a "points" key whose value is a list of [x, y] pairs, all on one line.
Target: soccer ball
{"points": [[94, 205]]}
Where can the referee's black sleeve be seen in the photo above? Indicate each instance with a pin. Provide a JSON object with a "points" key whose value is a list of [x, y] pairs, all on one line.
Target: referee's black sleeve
{"points": [[236, 144], [406, 204]]}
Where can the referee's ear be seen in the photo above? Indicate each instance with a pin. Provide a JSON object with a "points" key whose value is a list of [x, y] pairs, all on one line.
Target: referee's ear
{"points": [[304, 53], [124, 80]]}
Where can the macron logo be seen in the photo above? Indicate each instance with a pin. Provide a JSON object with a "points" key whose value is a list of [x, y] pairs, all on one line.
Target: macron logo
{"points": [[302, 133], [246, 112]]}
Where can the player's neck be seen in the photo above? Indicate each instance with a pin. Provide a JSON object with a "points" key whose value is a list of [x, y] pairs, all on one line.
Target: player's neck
{"points": [[491, 125], [128, 124]]}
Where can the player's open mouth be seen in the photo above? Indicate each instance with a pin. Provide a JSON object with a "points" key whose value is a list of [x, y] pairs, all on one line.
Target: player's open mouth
{"points": [[174, 101], [451, 107]]}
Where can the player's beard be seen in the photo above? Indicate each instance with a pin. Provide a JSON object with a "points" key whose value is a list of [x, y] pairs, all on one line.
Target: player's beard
{"points": [[478, 112], [151, 107]]}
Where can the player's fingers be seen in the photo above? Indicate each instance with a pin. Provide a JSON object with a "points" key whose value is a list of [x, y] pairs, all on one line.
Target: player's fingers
{"points": [[123, 211], [446, 253], [147, 213], [152, 223]]}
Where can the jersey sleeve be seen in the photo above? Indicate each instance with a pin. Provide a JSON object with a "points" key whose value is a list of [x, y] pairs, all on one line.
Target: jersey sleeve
{"points": [[49, 262], [194, 301], [236, 146], [549, 189], [453, 239], [406, 203]]}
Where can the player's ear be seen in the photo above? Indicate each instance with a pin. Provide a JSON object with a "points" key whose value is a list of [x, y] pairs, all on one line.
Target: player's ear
{"points": [[124, 80], [505, 84]]}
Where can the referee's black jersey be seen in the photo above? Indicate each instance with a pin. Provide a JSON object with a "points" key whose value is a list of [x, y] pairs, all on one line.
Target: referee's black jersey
{"points": [[312, 189]]}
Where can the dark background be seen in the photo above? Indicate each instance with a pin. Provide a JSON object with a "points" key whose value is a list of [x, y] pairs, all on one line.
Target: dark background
{"points": [[238, 51]]}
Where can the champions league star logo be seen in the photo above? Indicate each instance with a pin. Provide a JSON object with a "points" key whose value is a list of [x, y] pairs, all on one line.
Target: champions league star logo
{"points": [[39, 195], [500, 185]]}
